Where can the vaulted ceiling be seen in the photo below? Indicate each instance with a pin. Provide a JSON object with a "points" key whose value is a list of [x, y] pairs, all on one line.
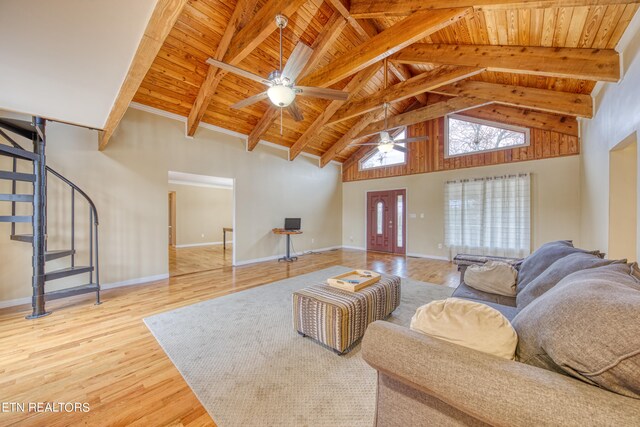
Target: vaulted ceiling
{"points": [[462, 54]]}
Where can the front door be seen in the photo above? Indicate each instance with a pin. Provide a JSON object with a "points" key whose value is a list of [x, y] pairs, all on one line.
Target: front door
{"points": [[386, 225]]}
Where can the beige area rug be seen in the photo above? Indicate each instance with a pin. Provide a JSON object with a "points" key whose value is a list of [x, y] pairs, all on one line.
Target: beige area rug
{"points": [[249, 367]]}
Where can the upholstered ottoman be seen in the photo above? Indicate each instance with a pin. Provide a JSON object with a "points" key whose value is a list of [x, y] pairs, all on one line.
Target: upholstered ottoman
{"points": [[338, 318]]}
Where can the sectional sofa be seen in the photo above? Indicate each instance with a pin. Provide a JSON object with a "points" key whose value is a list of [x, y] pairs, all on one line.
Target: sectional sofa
{"points": [[577, 361]]}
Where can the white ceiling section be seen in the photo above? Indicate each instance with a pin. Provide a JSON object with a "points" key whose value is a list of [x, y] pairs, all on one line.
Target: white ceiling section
{"points": [[184, 178], [66, 59]]}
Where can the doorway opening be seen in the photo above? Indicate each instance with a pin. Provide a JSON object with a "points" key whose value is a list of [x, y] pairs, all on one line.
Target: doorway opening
{"points": [[386, 221], [201, 223], [623, 199]]}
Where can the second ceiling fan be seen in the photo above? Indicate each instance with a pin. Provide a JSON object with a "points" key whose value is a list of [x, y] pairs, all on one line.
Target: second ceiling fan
{"points": [[282, 89], [386, 143]]}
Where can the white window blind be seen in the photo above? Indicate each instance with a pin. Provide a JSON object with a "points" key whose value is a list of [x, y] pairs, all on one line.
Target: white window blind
{"points": [[489, 216]]}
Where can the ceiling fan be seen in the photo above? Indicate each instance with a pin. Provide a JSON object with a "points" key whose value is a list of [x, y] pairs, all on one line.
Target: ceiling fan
{"points": [[388, 143], [282, 89]]}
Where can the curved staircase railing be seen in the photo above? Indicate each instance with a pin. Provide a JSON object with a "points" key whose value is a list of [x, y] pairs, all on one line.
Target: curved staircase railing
{"points": [[35, 131]]}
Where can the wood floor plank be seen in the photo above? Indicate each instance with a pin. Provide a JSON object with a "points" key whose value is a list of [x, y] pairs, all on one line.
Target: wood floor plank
{"points": [[104, 355], [200, 258]]}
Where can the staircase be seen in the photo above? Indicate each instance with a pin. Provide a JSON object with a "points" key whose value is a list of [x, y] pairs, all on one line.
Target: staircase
{"points": [[35, 132]]}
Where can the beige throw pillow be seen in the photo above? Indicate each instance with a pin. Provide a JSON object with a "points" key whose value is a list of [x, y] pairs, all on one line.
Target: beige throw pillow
{"points": [[469, 324], [493, 277]]}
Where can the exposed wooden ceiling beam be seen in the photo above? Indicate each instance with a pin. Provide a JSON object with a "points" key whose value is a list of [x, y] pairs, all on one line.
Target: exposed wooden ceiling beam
{"points": [[430, 112], [419, 84], [402, 72], [526, 118], [241, 36], [551, 101], [262, 126], [355, 85], [386, 43], [259, 28], [363, 28], [573, 63], [324, 42], [348, 137], [239, 18], [366, 30], [160, 24], [381, 8], [321, 45]]}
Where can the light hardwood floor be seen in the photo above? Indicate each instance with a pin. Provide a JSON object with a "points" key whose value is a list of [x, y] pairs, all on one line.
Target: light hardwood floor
{"points": [[106, 356], [199, 258]]}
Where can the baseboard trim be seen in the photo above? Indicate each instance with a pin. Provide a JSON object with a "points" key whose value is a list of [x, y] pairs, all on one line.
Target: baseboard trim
{"points": [[274, 257], [138, 281], [356, 248], [436, 257], [193, 245], [14, 302]]}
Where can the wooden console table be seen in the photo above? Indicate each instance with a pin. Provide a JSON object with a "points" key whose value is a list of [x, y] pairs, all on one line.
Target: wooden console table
{"points": [[224, 236], [288, 233]]}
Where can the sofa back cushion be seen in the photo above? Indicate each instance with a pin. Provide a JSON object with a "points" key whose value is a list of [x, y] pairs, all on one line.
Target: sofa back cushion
{"points": [[558, 271], [587, 326], [541, 259], [494, 277]]}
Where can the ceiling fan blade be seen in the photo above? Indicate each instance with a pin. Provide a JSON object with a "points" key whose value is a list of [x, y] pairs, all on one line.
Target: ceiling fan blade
{"points": [[319, 92], [416, 139], [250, 100], [364, 143], [297, 61], [238, 71], [399, 148], [295, 112]]}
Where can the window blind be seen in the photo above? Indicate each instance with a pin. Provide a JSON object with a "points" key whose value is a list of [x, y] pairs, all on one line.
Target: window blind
{"points": [[489, 216]]}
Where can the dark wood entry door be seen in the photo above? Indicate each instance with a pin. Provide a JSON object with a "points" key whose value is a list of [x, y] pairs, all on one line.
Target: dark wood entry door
{"points": [[386, 224]]}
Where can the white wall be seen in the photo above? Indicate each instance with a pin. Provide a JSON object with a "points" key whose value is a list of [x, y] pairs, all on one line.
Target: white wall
{"points": [[66, 59], [617, 117], [201, 213], [555, 203], [128, 182]]}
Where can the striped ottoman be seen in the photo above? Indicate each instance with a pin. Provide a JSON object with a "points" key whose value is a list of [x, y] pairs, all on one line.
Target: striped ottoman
{"points": [[338, 318]]}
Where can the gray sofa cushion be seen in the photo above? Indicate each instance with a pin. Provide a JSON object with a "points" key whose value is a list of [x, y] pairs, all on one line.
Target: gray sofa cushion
{"points": [[533, 265], [558, 271], [506, 310], [587, 326], [467, 292]]}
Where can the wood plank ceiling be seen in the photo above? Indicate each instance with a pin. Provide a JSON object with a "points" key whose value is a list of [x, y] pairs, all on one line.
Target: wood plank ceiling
{"points": [[179, 69]]}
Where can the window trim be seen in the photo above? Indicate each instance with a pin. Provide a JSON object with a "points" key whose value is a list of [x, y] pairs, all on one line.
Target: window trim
{"points": [[371, 153], [526, 131]]}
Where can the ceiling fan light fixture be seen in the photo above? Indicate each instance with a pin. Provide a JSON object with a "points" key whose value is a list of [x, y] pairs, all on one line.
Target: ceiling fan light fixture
{"points": [[385, 138], [281, 95], [385, 147]]}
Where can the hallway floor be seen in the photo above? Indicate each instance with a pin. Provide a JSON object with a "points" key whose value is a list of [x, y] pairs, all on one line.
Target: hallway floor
{"points": [[198, 258]]}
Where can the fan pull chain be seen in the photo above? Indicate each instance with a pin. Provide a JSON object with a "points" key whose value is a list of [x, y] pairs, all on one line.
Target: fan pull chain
{"points": [[281, 122]]}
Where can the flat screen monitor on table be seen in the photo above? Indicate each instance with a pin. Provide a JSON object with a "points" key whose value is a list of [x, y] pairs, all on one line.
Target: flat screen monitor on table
{"points": [[292, 224]]}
